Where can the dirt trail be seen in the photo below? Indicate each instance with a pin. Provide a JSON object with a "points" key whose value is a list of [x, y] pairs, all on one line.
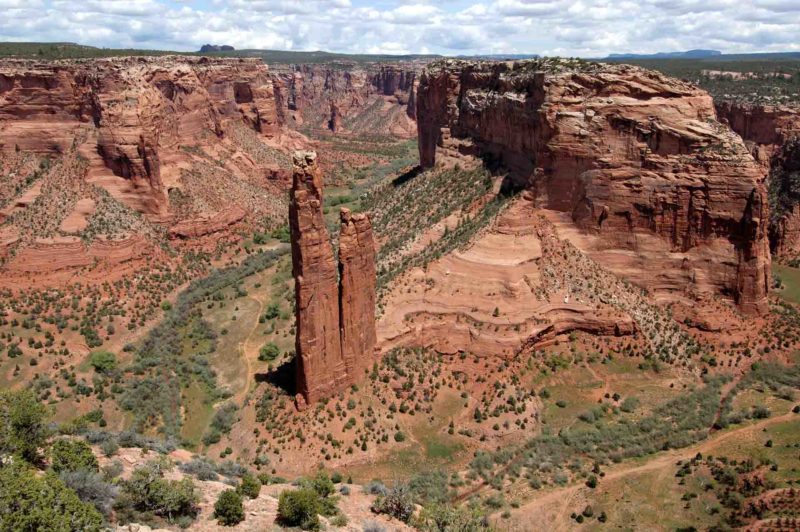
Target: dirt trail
{"points": [[249, 376], [551, 510]]}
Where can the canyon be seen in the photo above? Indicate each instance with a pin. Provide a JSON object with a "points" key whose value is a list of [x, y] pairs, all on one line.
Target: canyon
{"points": [[482, 277], [197, 146]]}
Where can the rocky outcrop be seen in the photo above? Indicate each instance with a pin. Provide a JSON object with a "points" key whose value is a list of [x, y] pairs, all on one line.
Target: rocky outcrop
{"points": [[204, 226], [357, 292], [128, 115], [629, 153], [772, 133], [323, 96], [335, 322]]}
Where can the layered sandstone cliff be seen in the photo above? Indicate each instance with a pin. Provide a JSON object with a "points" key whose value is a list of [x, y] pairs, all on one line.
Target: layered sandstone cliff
{"points": [[772, 133], [335, 319], [324, 96], [130, 115], [636, 158]]}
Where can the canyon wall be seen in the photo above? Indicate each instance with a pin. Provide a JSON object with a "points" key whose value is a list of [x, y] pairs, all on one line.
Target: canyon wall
{"points": [[636, 158], [335, 319], [324, 96], [772, 133], [130, 115]]}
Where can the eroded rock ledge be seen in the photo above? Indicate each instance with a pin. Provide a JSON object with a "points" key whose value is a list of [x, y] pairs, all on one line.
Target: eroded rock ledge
{"points": [[335, 319], [636, 158]]}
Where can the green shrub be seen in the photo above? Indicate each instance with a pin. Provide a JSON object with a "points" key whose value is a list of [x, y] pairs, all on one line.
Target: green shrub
{"points": [[23, 428], [148, 491], [250, 486], [103, 361], [228, 509], [446, 518], [269, 352], [299, 508], [398, 503], [430, 487], [72, 455], [273, 311], [33, 502], [322, 484]]}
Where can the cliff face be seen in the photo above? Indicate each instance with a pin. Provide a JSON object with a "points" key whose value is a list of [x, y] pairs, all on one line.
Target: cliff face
{"points": [[629, 153], [335, 320], [357, 292], [320, 96], [130, 114], [772, 132]]}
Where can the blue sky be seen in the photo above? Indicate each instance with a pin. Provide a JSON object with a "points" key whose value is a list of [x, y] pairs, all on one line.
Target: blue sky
{"points": [[586, 28]]}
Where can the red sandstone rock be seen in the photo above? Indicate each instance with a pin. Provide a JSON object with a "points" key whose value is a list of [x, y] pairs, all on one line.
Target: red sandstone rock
{"points": [[771, 130], [335, 122], [323, 96], [335, 334], [205, 226], [625, 151], [320, 365], [357, 292], [130, 114]]}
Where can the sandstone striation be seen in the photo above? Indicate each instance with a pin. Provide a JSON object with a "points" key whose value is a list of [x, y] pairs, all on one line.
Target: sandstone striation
{"points": [[324, 96], [131, 114], [357, 292], [772, 132], [634, 157], [335, 320]]}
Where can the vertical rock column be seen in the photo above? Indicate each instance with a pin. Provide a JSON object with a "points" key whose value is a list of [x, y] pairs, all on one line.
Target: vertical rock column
{"points": [[320, 366], [357, 292]]}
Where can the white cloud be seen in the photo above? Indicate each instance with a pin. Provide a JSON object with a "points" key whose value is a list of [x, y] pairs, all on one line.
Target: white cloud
{"points": [[569, 27]]}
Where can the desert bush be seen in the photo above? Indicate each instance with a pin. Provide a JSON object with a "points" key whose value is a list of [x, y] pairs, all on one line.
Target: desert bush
{"points": [[103, 361], [269, 352], [398, 503], [200, 468], [250, 486], [148, 491], [446, 518], [300, 508], [72, 455], [430, 487], [376, 487], [91, 488], [42, 502], [110, 447], [229, 509], [23, 428]]}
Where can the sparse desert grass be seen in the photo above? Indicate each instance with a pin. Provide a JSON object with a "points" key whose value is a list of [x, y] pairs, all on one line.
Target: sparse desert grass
{"points": [[790, 277]]}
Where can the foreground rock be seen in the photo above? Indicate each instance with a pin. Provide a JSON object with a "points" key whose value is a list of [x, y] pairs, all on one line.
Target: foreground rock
{"points": [[335, 319], [632, 156]]}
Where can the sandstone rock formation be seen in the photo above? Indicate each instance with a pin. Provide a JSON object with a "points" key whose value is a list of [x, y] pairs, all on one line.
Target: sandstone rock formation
{"points": [[335, 320], [130, 114], [634, 157], [772, 132], [193, 144], [323, 96], [357, 292]]}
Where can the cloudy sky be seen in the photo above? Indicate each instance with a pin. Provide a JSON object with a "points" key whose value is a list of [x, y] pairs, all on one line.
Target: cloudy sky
{"points": [[551, 27]]}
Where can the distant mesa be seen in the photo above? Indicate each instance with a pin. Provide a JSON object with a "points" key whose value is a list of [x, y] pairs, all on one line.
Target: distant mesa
{"points": [[689, 54], [206, 48]]}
